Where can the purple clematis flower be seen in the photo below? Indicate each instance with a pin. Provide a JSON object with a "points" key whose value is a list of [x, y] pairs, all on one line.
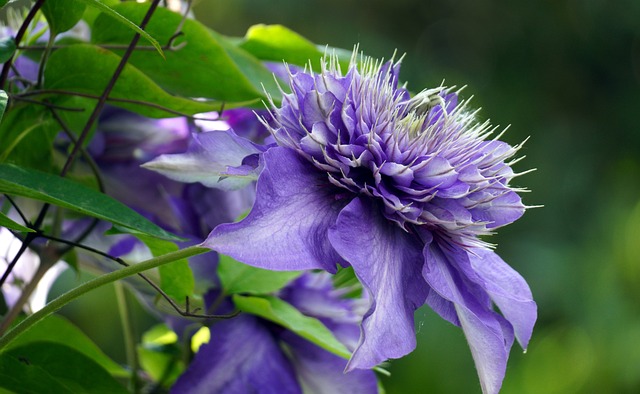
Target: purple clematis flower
{"points": [[250, 355], [400, 188]]}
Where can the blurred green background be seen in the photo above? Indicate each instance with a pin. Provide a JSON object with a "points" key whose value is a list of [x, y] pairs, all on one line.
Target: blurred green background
{"points": [[566, 73]]}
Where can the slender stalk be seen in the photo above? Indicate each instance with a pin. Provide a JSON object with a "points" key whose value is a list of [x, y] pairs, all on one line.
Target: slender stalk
{"points": [[45, 57], [129, 337], [22, 96], [100, 281], [29, 238], [21, 32]]}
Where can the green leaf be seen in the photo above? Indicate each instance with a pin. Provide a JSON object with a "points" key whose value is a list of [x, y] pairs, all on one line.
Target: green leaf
{"points": [[207, 66], [278, 43], [26, 136], [71, 195], [62, 15], [10, 224], [7, 48], [18, 375], [237, 277], [59, 330], [278, 311], [160, 355], [159, 335], [176, 278], [2, 4], [87, 69], [126, 22], [67, 369]]}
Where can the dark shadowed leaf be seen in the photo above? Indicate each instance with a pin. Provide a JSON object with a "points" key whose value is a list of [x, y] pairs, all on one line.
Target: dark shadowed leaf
{"points": [[76, 197], [65, 368], [58, 329], [18, 375]]}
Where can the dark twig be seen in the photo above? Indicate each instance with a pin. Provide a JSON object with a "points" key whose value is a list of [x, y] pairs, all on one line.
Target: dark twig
{"points": [[186, 313], [46, 104], [17, 208], [169, 46], [110, 99]]}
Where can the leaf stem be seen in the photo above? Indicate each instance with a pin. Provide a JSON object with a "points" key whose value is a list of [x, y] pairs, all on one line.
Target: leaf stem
{"points": [[129, 340], [71, 295]]}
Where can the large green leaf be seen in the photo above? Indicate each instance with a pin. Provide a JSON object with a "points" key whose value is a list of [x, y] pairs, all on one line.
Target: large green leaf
{"points": [[10, 224], [26, 136], [113, 14], [207, 66], [87, 68], [58, 329], [18, 375], [71, 195], [64, 367], [278, 43], [237, 277], [283, 313], [62, 15], [176, 279]]}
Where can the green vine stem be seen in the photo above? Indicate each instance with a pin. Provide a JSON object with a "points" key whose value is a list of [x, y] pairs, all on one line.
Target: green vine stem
{"points": [[71, 295], [129, 337]]}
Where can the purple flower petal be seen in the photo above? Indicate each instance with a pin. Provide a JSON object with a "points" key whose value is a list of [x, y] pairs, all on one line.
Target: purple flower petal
{"points": [[487, 333], [287, 226], [242, 357], [321, 372], [207, 159], [508, 290], [388, 261]]}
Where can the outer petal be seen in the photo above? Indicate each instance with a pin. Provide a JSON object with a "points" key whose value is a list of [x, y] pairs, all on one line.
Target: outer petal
{"points": [[207, 159], [321, 372], [287, 226], [388, 262], [508, 290], [242, 357], [488, 334]]}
